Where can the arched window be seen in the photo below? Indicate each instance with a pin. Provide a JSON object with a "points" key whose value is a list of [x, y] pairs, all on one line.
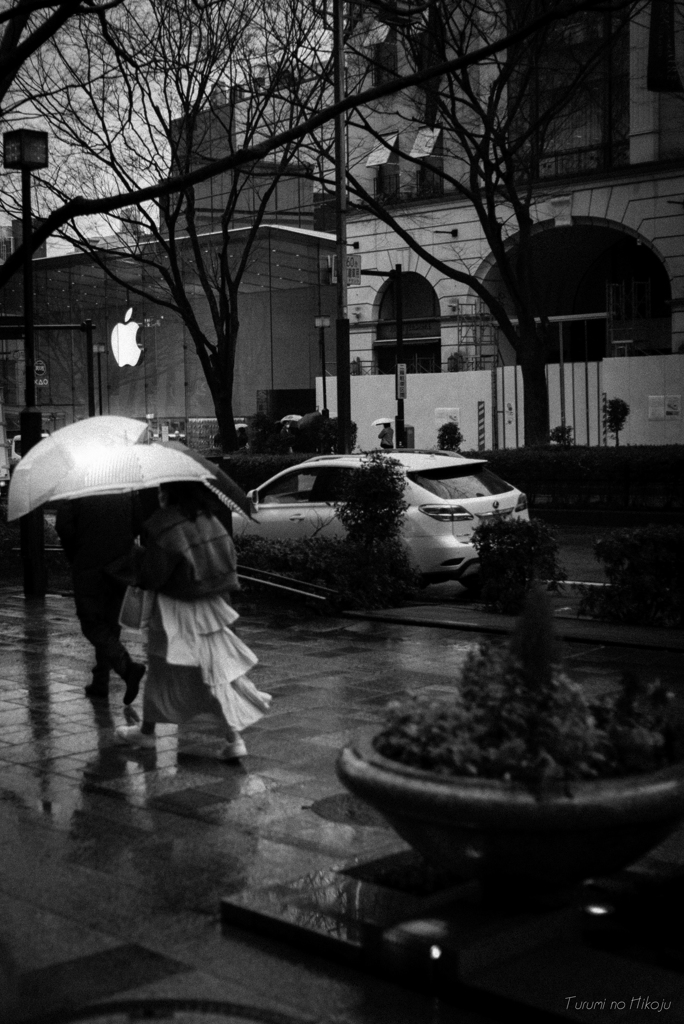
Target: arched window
{"points": [[422, 348]]}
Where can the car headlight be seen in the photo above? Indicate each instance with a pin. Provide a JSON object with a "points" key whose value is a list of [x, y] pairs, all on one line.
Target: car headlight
{"points": [[446, 513]]}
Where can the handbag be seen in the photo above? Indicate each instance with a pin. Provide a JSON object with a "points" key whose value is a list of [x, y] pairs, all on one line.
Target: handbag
{"points": [[136, 608]]}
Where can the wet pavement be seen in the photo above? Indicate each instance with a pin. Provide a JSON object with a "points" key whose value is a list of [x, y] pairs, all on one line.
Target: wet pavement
{"points": [[115, 861]]}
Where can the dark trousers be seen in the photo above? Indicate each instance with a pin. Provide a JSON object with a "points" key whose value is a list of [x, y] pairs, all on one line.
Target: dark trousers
{"points": [[98, 603]]}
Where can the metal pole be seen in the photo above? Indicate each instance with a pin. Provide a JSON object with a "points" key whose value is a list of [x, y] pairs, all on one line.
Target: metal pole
{"points": [[321, 342], [399, 314], [99, 381], [561, 373], [342, 321], [31, 526], [87, 326]]}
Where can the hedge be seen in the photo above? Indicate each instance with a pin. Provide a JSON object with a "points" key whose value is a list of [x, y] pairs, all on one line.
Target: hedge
{"points": [[630, 477]]}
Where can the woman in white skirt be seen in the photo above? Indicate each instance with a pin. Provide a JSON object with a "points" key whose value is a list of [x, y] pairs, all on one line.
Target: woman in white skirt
{"points": [[196, 664]]}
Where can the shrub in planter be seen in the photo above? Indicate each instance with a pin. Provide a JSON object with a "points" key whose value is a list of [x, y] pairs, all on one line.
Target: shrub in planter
{"points": [[513, 553], [645, 571], [516, 779], [515, 714]]}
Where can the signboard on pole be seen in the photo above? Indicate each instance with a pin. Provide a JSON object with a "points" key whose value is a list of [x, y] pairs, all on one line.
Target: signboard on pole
{"points": [[401, 380], [353, 271]]}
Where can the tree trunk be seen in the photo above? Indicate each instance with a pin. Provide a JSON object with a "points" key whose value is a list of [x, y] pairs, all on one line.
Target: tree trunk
{"points": [[223, 378], [223, 404], [532, 361]]}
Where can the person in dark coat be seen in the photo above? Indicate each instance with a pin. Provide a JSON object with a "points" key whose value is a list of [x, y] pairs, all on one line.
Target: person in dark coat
{"points": [[386, 436], [95, 531]]}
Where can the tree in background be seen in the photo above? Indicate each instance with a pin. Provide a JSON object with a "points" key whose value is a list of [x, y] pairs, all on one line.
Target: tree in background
{"points": [[617, 412], [113, 80], [167, 86], [490, 134], [29, 28]]}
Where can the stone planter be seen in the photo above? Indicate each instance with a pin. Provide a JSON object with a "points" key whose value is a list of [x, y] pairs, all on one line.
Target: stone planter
{"points": [[510, 839]]}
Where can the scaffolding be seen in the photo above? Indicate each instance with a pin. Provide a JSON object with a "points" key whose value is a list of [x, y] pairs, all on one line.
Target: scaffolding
{"points": [[477, 345]]}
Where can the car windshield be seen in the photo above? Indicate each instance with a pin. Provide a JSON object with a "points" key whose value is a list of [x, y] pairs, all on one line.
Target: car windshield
{"points": [[457, 482]]}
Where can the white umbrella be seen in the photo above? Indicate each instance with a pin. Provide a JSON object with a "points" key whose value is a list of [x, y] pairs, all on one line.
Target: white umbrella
{"points": [[292, 418], [381, 422], [102, 469], [44, 467]]}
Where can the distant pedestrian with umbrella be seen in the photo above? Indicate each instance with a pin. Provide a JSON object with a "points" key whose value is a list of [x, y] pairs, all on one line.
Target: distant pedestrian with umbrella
{"points": [[196, 664], [386, 435]]}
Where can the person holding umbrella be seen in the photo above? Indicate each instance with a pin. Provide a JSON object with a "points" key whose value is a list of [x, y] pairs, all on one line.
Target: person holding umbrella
{"points": [[93, 531], [196, 664], [386, 435]]}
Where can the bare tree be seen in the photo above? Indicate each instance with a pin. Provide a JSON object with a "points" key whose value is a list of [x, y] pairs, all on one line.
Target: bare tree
{"points": [[493, 126], [29, 24], [20, 108], [166, 87], [128, 97]]}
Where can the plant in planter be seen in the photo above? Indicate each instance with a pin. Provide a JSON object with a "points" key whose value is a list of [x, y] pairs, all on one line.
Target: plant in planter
{"points": [[516, 778]]}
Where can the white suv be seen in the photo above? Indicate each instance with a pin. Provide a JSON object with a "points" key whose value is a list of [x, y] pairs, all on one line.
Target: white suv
{"points": [[448, 497]]}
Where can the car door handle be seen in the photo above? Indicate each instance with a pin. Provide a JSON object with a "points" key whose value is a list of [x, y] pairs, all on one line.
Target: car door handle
{"points": [[297, 519]]}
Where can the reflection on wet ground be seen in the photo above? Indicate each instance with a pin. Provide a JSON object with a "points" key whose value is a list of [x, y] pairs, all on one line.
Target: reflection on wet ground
{"points": [[115, 860]]}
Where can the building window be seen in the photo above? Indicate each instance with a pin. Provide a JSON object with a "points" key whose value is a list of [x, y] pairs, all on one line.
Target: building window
{"points": [[421, 324], [590, 133], [387, 180], [427, 148], [384, 58]]}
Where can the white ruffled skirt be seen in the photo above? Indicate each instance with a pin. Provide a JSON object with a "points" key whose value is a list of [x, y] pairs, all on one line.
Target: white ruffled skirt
{"points": [[197, 665]]}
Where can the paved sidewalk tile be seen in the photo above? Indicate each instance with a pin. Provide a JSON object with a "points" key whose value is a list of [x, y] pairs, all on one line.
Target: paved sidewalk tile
{"points": [[115, 860]]}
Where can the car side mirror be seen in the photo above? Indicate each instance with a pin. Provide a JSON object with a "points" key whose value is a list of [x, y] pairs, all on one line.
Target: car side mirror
{"points": [[253, 495]]}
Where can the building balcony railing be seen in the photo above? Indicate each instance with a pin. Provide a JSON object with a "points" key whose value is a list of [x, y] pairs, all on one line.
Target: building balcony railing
{"points": [[411, 192], [425, 364]]}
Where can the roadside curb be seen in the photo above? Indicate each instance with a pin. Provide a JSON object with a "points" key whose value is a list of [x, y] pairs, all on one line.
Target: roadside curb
{"points": [[575, 630]]}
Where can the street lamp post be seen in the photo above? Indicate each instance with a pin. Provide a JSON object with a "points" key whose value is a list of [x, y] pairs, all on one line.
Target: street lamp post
{"points": [[27, 150], [321, 323], [342, 320]]}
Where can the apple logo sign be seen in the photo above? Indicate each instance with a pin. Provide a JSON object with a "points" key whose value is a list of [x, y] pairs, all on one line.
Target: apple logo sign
{"points": [[126, 350]]}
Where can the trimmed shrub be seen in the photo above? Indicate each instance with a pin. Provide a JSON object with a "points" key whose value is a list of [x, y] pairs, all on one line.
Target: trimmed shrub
{"points": [[380, 577], [513, 554], [645, 571], [449, 437], [373, 505], [628, 477], [561, 436]]}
